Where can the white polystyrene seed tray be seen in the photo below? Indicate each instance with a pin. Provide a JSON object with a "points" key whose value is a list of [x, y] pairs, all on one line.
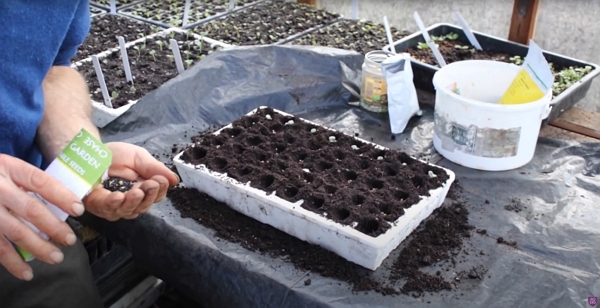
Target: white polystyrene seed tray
{"points": [[316, 229], [102, 115]]}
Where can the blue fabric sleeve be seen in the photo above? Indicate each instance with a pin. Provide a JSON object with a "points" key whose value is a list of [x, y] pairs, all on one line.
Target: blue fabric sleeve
{"points": [[78, 31]]}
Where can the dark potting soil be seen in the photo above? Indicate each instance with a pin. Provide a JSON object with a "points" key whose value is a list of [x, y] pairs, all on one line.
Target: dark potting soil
{"points": [[454, 50], [104, 31], [117, 184], [266, 23], [151, 62], [354, 35], [441, 235], [347, 181], [170, 12]]}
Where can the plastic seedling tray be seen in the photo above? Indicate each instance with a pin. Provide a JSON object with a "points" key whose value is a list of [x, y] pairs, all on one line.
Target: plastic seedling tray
{"points": [[105, 4], [263, 21], [94, 11], [102, 115], [423, 73], [115, 46], [306, 225], [343, 33], [172, 16]]}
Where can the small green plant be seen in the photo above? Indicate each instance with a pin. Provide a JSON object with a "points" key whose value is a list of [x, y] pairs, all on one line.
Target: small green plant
{"points": [[114, 94], [171, 58], [160, 44], [516, 60], [153, 54], [188, 62], [422, 45], [462, 47], [172, 34], [568, 77], [200, 44]]}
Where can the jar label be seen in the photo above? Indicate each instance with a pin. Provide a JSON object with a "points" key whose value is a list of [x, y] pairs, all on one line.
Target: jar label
{"points": [[375, 91]]}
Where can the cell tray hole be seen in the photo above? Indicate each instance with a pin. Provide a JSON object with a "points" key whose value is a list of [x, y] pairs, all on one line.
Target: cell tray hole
{"points": [[254, 140], [266, 180]]}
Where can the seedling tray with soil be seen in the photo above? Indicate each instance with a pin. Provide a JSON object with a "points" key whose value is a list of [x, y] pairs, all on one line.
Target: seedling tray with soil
{"points": [[169, 13], [152, 64], [352, 197], [360, 36], [267, 23], [573, 78], [95, 11], [105, 4], [105, 29]]}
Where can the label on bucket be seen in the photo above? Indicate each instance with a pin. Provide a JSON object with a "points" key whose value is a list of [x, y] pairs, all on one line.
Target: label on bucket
{"points": [[533, 81], [477, 141]]}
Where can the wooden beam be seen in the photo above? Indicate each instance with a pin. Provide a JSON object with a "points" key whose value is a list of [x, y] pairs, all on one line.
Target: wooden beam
{"points": [[311, 2], [576, 128], [523, 20]]}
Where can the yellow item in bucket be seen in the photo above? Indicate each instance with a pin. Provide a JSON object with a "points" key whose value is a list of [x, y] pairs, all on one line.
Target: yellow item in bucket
{"points": [[532, 82]]}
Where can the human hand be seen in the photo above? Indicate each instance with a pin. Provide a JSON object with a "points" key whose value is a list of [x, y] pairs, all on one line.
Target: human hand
{"points": [[17, 177], [135, 164]]}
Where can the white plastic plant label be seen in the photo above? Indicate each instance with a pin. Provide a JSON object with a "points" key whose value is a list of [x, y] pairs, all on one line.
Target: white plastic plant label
{"points": [[81, 166], [402, 95]]}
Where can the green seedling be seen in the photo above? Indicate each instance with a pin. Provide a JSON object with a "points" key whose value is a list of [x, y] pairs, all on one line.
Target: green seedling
{"points": [[422, 45], [452, 36], [172, 34], [160, 44], [188, 62], [139, 49], [114, 94], [463, 47], [153, 54], [171, 58], [568, 77], [200, 44], [516, 60]]}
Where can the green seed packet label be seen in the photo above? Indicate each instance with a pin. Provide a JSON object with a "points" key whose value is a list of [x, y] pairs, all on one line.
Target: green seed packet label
{"points": [[80, 167], [87, 157]]}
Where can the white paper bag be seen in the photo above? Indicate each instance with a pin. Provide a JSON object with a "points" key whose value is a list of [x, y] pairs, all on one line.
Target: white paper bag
{"points": [[402, 95]]}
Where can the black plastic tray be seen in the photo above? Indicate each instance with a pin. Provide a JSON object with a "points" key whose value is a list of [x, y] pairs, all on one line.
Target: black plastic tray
{"points": [[423, 73], [113, 269]]}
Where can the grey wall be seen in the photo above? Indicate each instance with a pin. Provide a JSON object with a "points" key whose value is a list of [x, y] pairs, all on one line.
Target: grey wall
{"points": [[568, 27]]}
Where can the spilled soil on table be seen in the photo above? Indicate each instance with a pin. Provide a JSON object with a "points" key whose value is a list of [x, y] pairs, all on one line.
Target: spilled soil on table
{"points": [[435, 242]]}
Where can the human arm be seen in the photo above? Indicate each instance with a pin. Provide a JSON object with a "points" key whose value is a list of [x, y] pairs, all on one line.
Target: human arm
{"points": [[68, 109]]}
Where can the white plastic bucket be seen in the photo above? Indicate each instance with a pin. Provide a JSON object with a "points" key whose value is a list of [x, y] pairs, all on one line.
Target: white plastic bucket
{"points": [[472, 129]]}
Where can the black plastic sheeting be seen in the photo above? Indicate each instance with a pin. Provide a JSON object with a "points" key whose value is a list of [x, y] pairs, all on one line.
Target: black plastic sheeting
{"points": [[556, 263]]}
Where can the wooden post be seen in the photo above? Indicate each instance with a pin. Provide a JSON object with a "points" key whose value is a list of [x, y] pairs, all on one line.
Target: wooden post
{"points": [[311, 2], [522, 23]]}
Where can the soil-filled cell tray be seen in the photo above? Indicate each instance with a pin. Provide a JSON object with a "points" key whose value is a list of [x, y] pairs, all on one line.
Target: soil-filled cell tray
{"points": [[171, 12], [267, 23], [95, 11], [152, 63], [347, 195], [105, 4], [360, 36], [105, 29], [573, 78]]}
